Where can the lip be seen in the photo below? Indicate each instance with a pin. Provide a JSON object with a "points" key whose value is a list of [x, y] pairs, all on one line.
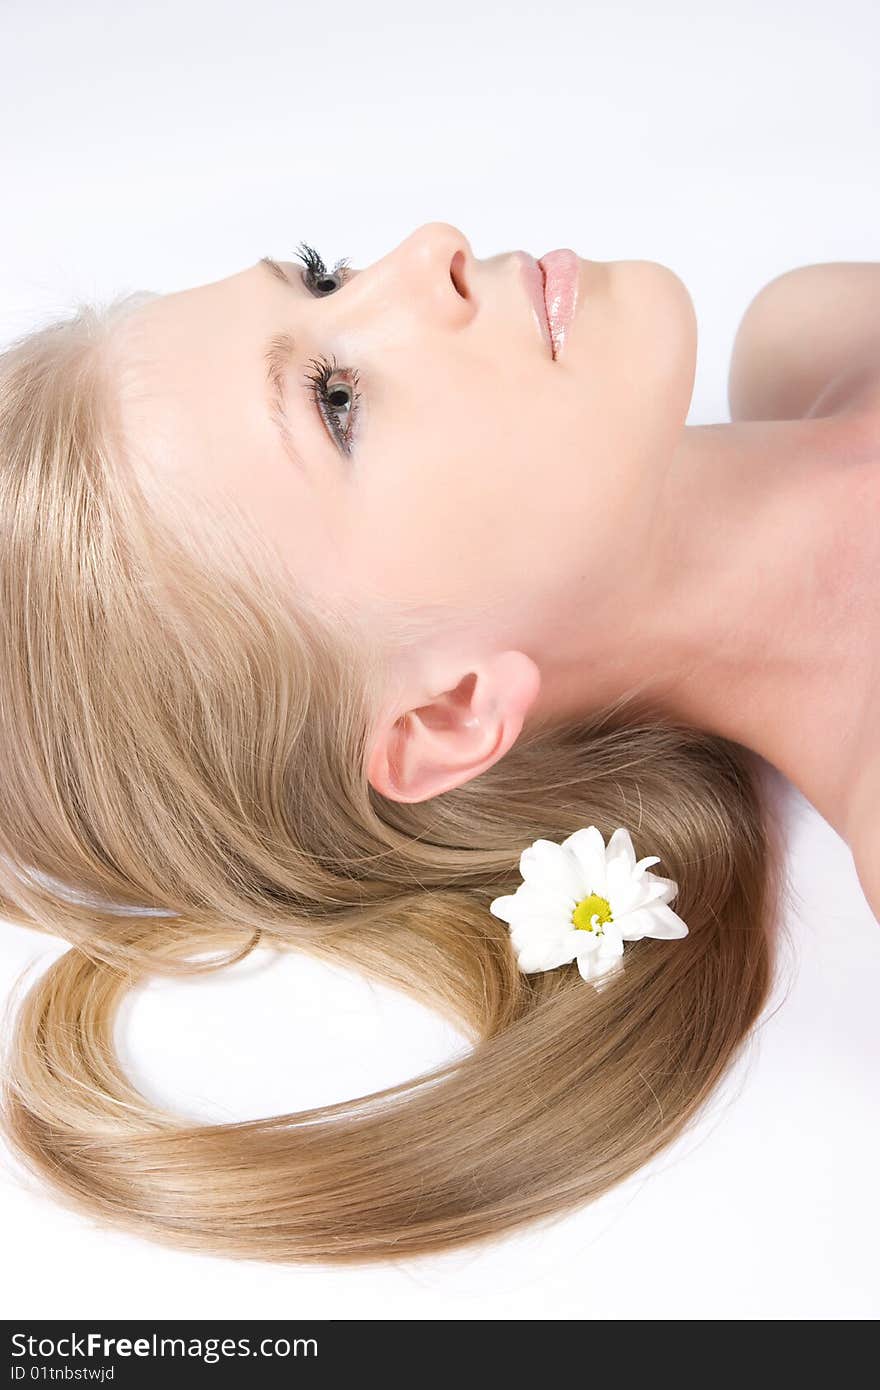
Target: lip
{"points": [[533, 278], [560, 270]]}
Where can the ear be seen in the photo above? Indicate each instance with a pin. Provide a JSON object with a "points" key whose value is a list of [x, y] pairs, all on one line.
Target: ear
{"points": [[455, 735]]}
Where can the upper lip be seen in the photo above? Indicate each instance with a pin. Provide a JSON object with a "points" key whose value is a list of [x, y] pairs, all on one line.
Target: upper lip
{"points": [[533, 276]]}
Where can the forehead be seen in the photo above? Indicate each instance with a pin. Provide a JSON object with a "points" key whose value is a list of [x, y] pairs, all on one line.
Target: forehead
{"points": [[174, 338], [195, 419], [191, 380]]}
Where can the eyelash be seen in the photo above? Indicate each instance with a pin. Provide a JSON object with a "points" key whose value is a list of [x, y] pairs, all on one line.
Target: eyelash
{"points": [[315, 269], [319, 389], [324, 368]]}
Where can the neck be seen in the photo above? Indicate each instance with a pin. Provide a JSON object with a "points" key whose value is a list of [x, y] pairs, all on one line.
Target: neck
{"points": [[739, 606]]}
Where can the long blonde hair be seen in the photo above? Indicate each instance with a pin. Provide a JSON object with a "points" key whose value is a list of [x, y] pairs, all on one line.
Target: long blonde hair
{"points": [[183, 742]]}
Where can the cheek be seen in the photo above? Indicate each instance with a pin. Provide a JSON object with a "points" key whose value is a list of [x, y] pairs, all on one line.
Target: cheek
{"points": [[441, 511], [474, 525], [427, 525], [537, 481]]}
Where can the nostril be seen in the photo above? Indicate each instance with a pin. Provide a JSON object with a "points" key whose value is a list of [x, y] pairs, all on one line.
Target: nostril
{"points": [[456, 273]]}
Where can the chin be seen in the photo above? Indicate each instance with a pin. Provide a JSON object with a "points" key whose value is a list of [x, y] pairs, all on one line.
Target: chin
{"points": [[634, 345], [663, 312]]}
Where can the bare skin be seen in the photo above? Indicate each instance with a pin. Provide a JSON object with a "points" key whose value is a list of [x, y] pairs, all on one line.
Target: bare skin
{"points": [[579, 539], [808, 348]]}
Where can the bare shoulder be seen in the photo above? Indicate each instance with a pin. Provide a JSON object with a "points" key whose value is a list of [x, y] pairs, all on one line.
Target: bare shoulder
{"points": [[808, 344]]}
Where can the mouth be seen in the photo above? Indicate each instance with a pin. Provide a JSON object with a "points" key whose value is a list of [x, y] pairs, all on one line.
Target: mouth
{"points": [[560, 270], [552, 286], [533, 278]]}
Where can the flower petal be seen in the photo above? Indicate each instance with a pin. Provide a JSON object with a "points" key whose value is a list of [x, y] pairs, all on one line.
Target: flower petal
{"points": [[593, 965], [635, 924], [586, 942], [668, 926], [658, 920], [620, 846], [544, 920], [588, 849], [645, 863], [620, 869], [504, 907], [653, 888], [610, 945], [544, 955], [544, 952], [538, 929], [624, 892], [612, 932], [532, 903], [545, 865]]}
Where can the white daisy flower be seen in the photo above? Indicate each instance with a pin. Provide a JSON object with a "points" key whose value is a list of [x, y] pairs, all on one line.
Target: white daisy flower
{"points": [[580, 901]]}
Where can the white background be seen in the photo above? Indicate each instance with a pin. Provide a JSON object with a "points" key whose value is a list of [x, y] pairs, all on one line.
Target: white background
{"points": [[164, 145]]}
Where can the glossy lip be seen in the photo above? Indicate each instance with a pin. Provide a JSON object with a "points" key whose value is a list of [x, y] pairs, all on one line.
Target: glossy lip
{"points": [[561, 271], [533, 278]]}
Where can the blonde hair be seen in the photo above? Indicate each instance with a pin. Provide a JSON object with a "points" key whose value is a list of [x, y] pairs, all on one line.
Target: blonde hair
{"points": [[183, 740]]}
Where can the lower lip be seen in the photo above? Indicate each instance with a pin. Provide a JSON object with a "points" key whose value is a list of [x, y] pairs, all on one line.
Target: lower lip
{"points": [[560, 270]]}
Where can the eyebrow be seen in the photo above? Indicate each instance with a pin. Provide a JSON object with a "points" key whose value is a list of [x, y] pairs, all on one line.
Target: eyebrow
{"points": [[277, 356], [276, 269]]}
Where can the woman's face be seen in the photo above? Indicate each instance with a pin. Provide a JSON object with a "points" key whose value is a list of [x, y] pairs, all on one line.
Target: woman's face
{"points": [[481, 470]]}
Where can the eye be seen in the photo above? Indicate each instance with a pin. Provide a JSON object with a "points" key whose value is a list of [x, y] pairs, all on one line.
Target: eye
{"points": [[316, 276], [337, 401]]}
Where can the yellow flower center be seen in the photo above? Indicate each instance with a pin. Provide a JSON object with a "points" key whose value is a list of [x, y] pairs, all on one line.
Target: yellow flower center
{"points": [[590, 908]]}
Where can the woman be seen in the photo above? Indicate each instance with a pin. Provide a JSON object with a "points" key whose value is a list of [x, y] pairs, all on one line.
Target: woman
{"points": [[326, 593]]}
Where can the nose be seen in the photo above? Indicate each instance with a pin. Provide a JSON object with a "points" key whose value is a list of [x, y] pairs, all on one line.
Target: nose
{"points": [[433, 271]]}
